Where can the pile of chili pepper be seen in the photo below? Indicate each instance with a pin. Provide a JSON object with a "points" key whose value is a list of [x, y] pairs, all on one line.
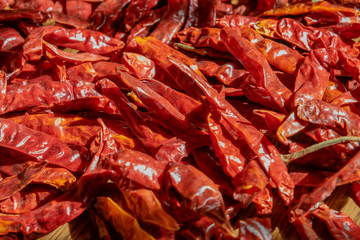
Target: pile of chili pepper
{"points": [[167, 119]]}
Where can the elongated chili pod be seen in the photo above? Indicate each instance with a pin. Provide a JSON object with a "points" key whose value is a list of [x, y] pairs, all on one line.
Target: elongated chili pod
{"points": [[39, 146], [270, 91], [123, 222]]}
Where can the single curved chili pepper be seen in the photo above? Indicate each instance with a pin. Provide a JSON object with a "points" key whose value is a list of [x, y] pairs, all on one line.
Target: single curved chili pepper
{"points": [[207, 14], [137, 166], [180, 176], [329, 115], [193, 15], [23, 96], [59, 178], [67, 20], [12, 63], [250, 182], [13, 184], [136, 10], [209, 165], [274, 94], [117, 216], [225, 147], [143, 27], [18, 14], [339, 224], [28, 199], [172, 118], [145, 206], [107, 13], [264, 201], [52, 52], [10, 38], [236, 20], [39, 146], [203, 37], [176, 148], [81, 39], [182, 102], [304, 227], [172, 21], [229, 73], [140, 66], [311, 75]]}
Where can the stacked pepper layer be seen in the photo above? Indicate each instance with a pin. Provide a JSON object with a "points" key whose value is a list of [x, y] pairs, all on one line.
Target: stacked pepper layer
{"points": [[170, 119]]}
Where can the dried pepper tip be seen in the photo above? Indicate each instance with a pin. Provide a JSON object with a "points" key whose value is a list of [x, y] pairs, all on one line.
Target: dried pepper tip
{"points": [[287, 158]]}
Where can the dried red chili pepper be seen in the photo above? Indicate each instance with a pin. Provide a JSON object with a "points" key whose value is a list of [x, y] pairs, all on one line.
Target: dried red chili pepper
{"points": [[13, 184], [209, 165], [180, 177], [145, 206], [249, 183], [193, 15], [107, 14], [172, 21], [67, 20], [40, 146], [10, 38], [329, 115], [112, 212], [269, 90], [18, 14], [226, 149], [264, 201], [339, 224], [139, 65], [28, 199], [143, 27]]}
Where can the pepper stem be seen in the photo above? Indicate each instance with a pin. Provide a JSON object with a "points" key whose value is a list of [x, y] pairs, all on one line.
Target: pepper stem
{"points": [[293, 156]]}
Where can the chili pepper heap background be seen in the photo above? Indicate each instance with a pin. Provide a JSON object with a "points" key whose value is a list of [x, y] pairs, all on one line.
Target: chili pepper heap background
{"points": [[179, 119]]}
